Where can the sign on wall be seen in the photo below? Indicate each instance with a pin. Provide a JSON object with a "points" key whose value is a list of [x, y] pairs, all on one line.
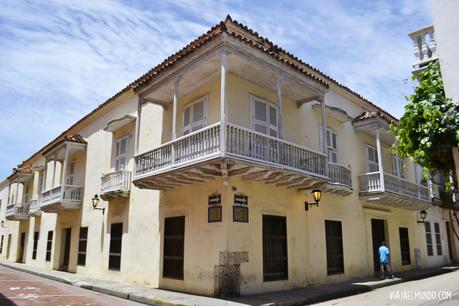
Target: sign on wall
{"points": [[214, 214], [241, 199], [215, 199], [240, 214]]}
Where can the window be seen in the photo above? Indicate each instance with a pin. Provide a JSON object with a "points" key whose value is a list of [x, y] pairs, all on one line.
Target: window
{"points": [[8, 245], [397, 166], [428, 239], [116, 234], [35, 244], [331, 146], [1, 245], [195, 116], [438, 238], [71, 175], [404, 245], [334, 243], [82, 245], [275, 260], [264, 116], [121, 153], [49, 245], [26, 194], [41, 186], [174, 239], [372, 159]]}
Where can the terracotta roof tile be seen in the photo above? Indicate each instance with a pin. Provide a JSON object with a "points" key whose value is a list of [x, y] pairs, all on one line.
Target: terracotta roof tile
{"points": [[75, 138], [372, 115]]}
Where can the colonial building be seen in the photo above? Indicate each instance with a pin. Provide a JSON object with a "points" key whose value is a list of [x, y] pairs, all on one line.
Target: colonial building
{"points": [[198, 177]]}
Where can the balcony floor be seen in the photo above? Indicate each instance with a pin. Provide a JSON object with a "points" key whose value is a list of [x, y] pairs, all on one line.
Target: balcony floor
{"points": [[394, 200], [337, 189], [204, 170], [17, 217], [59, 206]]}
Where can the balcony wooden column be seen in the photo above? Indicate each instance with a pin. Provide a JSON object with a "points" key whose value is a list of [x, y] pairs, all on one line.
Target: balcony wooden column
{"points": [[137, 124], [279, 79], [223, 74], [174, 116], [380, 163], [64, 172], [324, 133], [9, 195]]}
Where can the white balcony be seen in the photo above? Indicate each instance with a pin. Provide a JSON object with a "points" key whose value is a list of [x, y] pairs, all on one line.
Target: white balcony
{"points": [[115, 184], [203, 155], [17, 212], [34, 208], [339, 180], [425, 47], [393, 191], [59, 198]]}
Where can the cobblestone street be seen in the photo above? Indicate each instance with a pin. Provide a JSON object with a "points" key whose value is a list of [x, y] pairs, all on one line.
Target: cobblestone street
{"points": [[18, 288]]}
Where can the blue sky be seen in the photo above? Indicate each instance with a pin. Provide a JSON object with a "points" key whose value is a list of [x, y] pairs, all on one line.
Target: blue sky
{"points": [[59, 59]]}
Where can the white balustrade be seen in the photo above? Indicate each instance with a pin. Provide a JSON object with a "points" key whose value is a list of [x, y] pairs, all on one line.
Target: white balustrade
{"points": [[240, 142], [425, 46], [370, 182], [70, 193], [339, 175], [257, 146], [116, 181], [17, 208]]}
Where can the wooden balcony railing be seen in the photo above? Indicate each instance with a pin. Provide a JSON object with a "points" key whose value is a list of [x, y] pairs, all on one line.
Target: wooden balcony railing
{"points": [[339, 175], [249, 144], [118, 181], [371, 182], [240, 142], [17, 209], [70, 193]]}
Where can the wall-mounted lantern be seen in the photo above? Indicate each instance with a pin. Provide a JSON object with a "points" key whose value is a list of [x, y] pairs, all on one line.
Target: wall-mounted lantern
{"points": [[2, 224], [316, 195], [423, 215], [95, 202]]}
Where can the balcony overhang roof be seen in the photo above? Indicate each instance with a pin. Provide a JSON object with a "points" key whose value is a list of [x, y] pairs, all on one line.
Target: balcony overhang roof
{"points": [[73, 142], [337, 113], [118, 123], [21, 173]]}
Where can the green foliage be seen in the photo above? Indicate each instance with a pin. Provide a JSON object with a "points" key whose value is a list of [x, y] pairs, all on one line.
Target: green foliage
{"points": [[430, 126]]}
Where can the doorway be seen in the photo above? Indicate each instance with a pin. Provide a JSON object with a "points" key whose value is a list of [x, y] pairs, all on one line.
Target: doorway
{"points": [[378, 236], [65, 255], [22, 248]]}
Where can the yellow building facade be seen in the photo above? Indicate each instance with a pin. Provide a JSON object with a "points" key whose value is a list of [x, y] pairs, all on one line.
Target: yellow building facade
{"points": [[195, 178]]}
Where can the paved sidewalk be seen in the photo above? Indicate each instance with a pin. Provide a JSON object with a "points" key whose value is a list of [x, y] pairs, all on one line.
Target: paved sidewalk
{"points": [[300, 296]]}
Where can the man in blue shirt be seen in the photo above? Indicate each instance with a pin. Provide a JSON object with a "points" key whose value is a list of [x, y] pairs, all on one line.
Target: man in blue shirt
{"points": [[384, 259]]}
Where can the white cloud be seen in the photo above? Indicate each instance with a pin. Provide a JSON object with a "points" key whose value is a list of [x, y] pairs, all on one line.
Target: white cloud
{"points": [[63, 58]]}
